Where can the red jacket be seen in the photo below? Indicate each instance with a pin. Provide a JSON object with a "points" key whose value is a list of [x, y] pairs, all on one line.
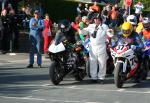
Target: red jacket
{"points": [[48, 25]]}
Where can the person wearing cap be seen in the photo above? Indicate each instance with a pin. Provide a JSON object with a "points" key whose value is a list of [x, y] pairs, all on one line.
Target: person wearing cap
{"points": [[35, 37], [97, 50]]}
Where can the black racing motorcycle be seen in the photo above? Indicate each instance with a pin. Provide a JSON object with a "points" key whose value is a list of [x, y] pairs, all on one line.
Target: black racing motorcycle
{"points": [[66, 58]]}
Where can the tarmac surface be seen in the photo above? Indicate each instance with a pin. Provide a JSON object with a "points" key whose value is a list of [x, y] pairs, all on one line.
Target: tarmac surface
{"points": [[19, 84]]}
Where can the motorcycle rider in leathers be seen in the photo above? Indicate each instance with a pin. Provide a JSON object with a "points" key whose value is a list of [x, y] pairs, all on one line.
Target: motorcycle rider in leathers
{"points": [[65, 33], [130, 37]]}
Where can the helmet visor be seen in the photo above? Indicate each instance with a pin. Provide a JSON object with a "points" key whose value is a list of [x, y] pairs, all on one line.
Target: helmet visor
{"points": [[126, 31], [146, 25]]}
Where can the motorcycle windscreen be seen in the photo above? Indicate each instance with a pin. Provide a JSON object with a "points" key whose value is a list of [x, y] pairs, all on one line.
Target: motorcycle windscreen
{"points": [[56, 48]]}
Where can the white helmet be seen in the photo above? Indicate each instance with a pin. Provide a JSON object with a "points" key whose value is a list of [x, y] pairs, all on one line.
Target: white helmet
{"points": [[146, 23], [132, 19], [145, 20]]}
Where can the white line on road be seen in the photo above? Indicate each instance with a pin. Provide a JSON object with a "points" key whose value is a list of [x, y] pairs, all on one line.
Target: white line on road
{"points": [[25, 98], [121, 90], [78, 88], [41, 99]]}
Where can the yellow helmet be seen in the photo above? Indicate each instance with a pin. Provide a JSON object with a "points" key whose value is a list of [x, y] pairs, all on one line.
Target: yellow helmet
{"points": [[126, 29]]}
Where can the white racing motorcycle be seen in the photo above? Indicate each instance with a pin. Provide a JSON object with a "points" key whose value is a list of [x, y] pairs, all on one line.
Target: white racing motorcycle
{"points": [[126, 63], [65, 58]]}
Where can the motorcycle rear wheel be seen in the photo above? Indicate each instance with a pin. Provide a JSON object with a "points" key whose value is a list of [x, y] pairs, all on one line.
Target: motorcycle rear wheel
{"points": [[118, 77], [81, 72], [55, 73]]}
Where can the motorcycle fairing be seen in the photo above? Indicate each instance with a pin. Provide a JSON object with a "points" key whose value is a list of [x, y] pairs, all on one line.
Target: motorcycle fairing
{"points": [[129, 55], [56, 48]]}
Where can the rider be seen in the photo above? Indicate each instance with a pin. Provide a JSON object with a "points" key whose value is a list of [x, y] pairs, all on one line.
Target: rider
{"points": [[146, 29], [65, 33], [129, 36]]}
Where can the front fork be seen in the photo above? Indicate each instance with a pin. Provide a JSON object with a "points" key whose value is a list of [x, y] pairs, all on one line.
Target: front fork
{"points": [[124, 65], [123, 72]]}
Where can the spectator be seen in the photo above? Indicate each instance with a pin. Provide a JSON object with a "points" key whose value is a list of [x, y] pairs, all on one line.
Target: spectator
{"points": [[94, 8], [114, 17], [76, 22], [35, 37], [80, 10], [5, 35], [14, 32], [86, 9], [75, 26], [28, 10], [1, 34], [83, 24], [138, 9], [23, 18], [38, 6], [105, 16], [47, 33]]}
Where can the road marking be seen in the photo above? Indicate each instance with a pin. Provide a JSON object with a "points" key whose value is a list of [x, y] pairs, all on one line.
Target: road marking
{"points": [[12, 54], [72, 101], [35, 90], [25, 98], [41, 99], [148, 91], [121, 90], [105, 90], [93, 102], [78, 88], [72, 87], [21, 61]]}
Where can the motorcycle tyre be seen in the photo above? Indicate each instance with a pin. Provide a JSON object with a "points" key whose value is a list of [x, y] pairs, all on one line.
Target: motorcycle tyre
{"points": [[52, 73], [117, 77], [80, 73]]}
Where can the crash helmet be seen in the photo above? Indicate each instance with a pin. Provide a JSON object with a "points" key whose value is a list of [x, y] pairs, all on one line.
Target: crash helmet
{"points": [[64, 25], [126, 29], [146, 23], [132, 19]]}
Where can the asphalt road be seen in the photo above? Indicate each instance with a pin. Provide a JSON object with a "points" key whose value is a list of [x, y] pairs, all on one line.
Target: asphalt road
{"points": [[21, 85]]}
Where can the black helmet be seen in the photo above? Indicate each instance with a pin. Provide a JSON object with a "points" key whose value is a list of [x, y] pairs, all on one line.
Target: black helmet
{"points": [[64, 25]]}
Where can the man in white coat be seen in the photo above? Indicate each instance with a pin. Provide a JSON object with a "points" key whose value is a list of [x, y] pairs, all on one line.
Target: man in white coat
{"points": [[97, 49]]}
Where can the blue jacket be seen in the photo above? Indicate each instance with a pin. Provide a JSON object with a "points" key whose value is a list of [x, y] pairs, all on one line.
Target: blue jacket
{"points": [[36, 27]]}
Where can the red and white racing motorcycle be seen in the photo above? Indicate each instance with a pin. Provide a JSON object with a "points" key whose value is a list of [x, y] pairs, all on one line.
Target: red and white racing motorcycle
{"points": [[126, 63]]}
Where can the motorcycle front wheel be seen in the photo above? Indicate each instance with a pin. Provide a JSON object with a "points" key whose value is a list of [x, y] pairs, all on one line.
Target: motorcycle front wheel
{"points": [[55, 73], [118, 77]]}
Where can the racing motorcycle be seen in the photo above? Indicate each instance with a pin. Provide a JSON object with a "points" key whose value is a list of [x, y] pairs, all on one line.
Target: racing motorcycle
{"points": [[66, 58], [146, 59], [125, 62]]}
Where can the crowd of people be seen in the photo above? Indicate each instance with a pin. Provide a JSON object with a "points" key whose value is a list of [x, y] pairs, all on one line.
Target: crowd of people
{"points": [[92, 22], [9, 30], [11, 21]]}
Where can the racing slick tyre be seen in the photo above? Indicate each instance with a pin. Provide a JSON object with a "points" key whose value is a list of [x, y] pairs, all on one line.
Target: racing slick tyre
{"points": [[55, 73], [118, 77]]}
